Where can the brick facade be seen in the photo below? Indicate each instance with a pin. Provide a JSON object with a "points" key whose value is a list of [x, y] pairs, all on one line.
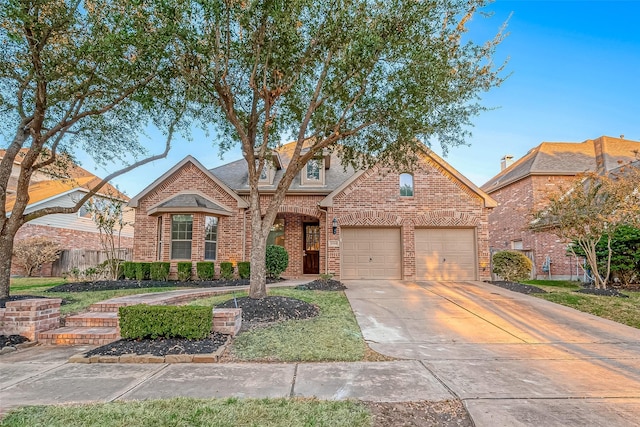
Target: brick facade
{"points": [[509, 223], [372, 199]]}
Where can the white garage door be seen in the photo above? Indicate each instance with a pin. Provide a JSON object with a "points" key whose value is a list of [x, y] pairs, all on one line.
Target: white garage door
{"points": [[371, 253], [445, 254]]}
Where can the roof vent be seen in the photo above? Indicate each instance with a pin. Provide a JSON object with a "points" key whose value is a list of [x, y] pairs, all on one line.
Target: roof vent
{"points": [[506, 161]]}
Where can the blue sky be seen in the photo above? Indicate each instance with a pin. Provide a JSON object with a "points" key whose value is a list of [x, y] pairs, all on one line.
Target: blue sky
{"points": [[574, 75]]}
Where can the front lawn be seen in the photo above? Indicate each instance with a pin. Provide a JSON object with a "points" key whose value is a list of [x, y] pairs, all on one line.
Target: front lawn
{"points": [[621, 310], [334, 335], [195, 412]]}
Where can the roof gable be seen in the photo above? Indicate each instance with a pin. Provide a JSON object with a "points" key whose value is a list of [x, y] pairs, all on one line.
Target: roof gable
{"points": [[567, 158], [187, 160], [428, 153]]}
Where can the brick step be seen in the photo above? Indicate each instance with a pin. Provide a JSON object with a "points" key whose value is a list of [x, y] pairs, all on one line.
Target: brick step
{"points": [[93, 319], [107, 307], [71, 335]]}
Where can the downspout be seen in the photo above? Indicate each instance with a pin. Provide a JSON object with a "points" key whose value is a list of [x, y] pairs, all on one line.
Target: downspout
{"points": [[244, 235], [326, 238]]}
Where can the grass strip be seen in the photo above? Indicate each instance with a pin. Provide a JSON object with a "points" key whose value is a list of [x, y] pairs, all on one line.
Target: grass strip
{"points": [[334, 335], [178, 412]]}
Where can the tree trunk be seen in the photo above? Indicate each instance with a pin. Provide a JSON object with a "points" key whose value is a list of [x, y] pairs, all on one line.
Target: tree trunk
{"points": [[6, 250]]}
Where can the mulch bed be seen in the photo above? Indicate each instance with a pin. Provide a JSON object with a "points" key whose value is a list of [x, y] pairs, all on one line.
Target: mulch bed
{"points": [[161, 346], [322, 285], [109, 285], [519, 287], [11, 340], [446, 413]]}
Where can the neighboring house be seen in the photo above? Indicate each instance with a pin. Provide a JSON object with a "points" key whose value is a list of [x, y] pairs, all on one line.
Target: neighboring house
{"points": [[75, 231], [427, 224], [524, 186]]}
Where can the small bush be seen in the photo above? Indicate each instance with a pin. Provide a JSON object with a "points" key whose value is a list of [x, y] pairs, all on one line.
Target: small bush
{"points": [[205, 270], [159, 271], [226, 270], [244, 269], [142, 270], [129, 270], [277, 260], [153, 321], [184, 270], [512, 266]]}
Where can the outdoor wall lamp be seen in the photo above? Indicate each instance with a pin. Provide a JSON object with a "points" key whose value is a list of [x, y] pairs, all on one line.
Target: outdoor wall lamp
{"points": [[334, 224]]}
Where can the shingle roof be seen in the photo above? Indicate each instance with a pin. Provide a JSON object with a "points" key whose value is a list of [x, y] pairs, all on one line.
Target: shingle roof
{"points": [[191, 201], [235, 174], [567, 158]]}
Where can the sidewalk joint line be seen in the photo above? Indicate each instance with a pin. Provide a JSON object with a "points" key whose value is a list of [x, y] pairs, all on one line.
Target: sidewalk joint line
{"points": [[138, 383], [293, 380]]}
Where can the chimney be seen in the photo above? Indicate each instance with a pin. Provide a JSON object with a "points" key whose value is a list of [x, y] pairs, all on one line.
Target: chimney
{"points": [[506, 161]]}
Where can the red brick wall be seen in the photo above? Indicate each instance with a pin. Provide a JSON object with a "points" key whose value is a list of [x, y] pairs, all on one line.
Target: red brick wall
{"points": [[439, 200], [510, 221]]}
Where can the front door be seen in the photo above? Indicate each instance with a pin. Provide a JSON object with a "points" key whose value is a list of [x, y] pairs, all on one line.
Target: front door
{"points": [[311, 245]]}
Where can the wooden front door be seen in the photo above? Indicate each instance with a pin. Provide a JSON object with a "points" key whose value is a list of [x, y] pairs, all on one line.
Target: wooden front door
{"points": [[311, 245]]}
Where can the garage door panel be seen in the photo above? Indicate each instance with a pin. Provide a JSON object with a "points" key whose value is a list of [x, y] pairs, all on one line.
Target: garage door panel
{"points": [[371, 253], [445, 254]]}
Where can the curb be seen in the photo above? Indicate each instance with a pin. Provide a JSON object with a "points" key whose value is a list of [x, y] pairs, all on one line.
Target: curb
{"points": [[150, 358]]}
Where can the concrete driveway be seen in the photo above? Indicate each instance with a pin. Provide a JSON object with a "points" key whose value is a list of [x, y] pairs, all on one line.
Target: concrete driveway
{"points": [[513, 359]]}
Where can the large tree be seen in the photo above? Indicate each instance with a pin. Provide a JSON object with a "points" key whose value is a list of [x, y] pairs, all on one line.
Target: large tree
{"points": [[589, 213], [369, 78], [79, 76]]}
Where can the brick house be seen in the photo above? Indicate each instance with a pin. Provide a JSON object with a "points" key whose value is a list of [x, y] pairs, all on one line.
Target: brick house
{"points": [[75, 231], [523, 187], [431, 223]]}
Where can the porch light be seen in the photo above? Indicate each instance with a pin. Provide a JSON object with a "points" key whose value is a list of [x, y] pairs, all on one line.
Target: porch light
{"points": [[334, 224]]}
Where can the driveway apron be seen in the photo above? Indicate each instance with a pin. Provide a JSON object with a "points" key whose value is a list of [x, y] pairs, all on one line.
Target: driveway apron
{"points": [[513, 359]]}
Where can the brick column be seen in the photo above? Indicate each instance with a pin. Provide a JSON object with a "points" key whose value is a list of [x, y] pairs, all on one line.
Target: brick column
{"points": [[29, 317]]}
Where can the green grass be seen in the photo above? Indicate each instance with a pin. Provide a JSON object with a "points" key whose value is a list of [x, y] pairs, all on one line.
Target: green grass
{"points": [[195, 412], [621, 310], [334, 335], [25, 283]]}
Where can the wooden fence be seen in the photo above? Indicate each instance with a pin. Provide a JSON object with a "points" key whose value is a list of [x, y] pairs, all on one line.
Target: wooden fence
{"points": [[83, 259]]}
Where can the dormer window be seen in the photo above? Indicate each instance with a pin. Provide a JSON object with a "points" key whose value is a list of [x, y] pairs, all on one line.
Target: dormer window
{"points": [[313, 172], [266, 175]]}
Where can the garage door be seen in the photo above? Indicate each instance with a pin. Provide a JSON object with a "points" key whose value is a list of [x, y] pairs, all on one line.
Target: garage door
{"points": [[371, 253], [445, 254]]}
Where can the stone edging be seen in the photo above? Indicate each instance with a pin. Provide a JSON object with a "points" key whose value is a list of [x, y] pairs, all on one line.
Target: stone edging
{"points": [[150, 358], [11, 348]]}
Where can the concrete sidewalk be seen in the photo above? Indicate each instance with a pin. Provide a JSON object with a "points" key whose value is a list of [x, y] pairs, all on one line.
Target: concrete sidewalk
{"points": [[40, 375]]}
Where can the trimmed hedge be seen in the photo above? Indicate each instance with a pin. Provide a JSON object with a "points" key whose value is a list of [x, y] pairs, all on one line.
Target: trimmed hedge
{"points": [[512, 266], [226, 270], [153, 321], [129, 270], [277, 260], [184, 270], [142, 270], [205, 270], [244, 269], [160, 270]]}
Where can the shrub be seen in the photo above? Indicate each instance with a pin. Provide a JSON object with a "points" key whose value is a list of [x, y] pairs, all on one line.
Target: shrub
{"points": [[32, 253], [244, 269], [129, 270], [226, 270], [153, 321], [512, 266], [111, 269], [184, 270], [142, 270], [277, 260], [205, 270], [159, 271]]}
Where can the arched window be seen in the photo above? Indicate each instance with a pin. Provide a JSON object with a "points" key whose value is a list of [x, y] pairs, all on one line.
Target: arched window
{"points": [[406, 185]]}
